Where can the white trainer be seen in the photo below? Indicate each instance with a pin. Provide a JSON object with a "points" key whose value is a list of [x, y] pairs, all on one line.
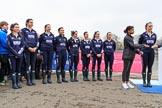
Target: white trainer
{"points": [[124, 85], [130, 85]]}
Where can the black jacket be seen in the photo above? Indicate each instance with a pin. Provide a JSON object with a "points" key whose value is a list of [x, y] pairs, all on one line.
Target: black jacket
{"points": [[130, 49]]}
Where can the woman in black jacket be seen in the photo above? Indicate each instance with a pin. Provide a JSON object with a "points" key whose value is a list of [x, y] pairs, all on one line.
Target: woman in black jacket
{"points": [[130, 49]]}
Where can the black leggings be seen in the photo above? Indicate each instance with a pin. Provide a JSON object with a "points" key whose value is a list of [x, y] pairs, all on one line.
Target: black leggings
{"points": [[73, 61], [147, 60], [109, 59], [4, 69], [126, 70], [85, 62], [99, 59]]}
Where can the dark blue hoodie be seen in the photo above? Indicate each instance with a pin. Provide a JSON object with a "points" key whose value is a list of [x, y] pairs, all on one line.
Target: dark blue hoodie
{"points": [[148, 40], [46, 41], [97, 46], [73, 46], [30, 38], [85, 46], [16, 45], [3, 42], [109, 46], [60, 44]]}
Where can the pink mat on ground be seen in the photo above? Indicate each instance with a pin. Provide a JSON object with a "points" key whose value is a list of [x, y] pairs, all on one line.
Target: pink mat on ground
{"points": [[118, 64]]}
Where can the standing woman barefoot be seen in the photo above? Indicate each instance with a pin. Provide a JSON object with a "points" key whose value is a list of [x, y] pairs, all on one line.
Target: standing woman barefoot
{"points": [[130, 49]]}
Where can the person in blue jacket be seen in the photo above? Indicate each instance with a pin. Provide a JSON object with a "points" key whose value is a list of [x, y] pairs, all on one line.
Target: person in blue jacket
{"points": [[73, 49], [3, 51], [46, 41], [16, 47], [109, 46], [148, 38], [85, 47], [31, 44], [61, 47], [97, 47]]}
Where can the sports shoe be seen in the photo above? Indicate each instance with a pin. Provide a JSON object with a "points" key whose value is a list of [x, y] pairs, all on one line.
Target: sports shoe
{"points": [[124, 85], [130, 85]]}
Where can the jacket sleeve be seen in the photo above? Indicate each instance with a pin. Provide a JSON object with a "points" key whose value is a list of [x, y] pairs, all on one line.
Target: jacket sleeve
{"points": [[140, 40], [92, 47], [10, 47], [22, 46], [3, 41], [114, 45], [37, 40], [81, 46], [23, 34], [68, 45], [131, 44], [55, 43]]}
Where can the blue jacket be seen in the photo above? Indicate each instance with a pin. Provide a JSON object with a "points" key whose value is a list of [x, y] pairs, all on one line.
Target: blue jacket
{"points": [[148, 40], [109, 46], [16, 45], [46, 42], [73, 46], [30, 38], [85, 47], [60, 44], [97, 46], [3, 42]]}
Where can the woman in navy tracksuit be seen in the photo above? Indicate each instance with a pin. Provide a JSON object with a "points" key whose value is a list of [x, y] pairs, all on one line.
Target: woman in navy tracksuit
{"points": [[73, 49], [148, 38], [61, 47], [85, 47], [31, 44], [109, 47], [97, 46], [46, 41], [16, 47]]}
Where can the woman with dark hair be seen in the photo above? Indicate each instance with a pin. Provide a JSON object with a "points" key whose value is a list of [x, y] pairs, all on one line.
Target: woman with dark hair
{"points": [[97, 46], [85, 47], [31, 44], [16, 47], [148, 38], [61, 47], [130, 49], [73, 49], [109, 47], [46, 41]]}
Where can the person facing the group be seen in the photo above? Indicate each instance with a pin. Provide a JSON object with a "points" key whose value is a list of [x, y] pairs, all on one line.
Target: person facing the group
{"points": [[46, 41], [3, 51], [73, 49], [16, 47], [148, 38], [85, 47], [109, 46], [97, 46], [130, 49], [61, 46], [31, 44]]}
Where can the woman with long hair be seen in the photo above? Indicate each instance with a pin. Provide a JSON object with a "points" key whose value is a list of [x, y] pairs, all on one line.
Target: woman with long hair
{"points": [[46, 41], [16, 47], [130, 49], [97, 46]]}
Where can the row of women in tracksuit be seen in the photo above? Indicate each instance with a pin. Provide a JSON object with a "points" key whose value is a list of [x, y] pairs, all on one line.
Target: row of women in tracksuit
{"points": [[27, 42]]}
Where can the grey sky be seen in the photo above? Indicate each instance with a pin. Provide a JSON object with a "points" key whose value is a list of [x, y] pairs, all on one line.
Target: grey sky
{"points": [[85, 15]]}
